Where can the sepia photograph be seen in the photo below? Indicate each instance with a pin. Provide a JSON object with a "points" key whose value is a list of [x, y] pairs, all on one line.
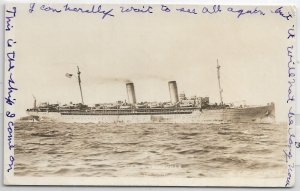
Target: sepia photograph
{"points": [[149, 95]]}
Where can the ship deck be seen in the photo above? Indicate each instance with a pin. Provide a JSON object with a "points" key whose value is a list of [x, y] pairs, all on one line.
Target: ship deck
{"points": [[139, 111]]}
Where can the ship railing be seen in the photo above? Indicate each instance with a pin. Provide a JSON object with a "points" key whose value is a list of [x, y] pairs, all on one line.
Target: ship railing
{"points": [[133, 111], [136, 109], [137, 113]]}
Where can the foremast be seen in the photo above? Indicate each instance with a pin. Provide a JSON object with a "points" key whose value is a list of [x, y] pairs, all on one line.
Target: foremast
{"points": [[79, 82], [219, 82]]}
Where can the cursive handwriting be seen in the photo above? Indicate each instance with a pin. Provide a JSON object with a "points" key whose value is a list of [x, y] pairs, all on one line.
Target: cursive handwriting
{"points": [[11, 14], [213, 10], [9, 99], [290, 116], [289, 174], [48, 8], [149, 9], [291, 64], [291, 73], [11, 164], [11, 89], [165, 8], [10, 42], [11, 59], [31, 7], [288, 154], [291, 96], [186, 10], [241, 12], [291, 32], [144, 9], [94, 9], [279, 12], [10, 135], [10, 115]]}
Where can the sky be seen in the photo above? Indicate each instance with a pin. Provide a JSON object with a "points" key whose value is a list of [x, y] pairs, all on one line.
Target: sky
{"points": [[150, 50]]}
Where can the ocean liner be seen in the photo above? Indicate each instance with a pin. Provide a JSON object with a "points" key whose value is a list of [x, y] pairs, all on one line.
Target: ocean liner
{"points": [[179, 109]]}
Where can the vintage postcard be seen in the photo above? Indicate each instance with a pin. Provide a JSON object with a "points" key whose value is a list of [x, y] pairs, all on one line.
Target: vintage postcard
{"points": [[149, 95]]}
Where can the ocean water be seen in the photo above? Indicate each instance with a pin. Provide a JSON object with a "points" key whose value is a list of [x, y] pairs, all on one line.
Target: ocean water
{"points": [[151, 150]]}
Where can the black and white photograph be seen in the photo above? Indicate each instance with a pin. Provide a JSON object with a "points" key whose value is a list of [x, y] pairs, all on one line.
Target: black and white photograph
{"points": [[149, 95]]}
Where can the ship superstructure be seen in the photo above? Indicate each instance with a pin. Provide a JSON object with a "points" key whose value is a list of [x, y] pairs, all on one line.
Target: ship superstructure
{"points": [[179, 109]]}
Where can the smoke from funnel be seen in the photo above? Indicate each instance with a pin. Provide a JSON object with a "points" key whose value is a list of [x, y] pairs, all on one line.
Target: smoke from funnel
{"points": [[105, 80]]}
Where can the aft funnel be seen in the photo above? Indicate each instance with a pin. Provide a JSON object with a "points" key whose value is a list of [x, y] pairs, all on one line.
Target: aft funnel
{"points": [[131, 93]]}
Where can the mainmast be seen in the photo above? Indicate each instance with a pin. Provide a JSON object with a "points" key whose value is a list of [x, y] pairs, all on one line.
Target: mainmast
{"points": [[79, 81], [34, 102], [219, 80]]}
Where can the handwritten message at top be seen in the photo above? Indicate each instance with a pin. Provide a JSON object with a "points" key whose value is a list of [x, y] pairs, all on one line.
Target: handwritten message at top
{"points": [[106, 12]]}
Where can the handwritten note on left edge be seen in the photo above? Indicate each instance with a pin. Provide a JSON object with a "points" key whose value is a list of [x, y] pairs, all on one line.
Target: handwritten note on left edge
{"points": [[10, 15]]}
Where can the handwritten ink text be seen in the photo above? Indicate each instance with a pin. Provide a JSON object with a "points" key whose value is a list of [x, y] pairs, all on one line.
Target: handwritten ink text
{"points": [[186, 10], [279, 11], [241, 12], [9, 99], [11, 14], [144, 9], [215, 9]]}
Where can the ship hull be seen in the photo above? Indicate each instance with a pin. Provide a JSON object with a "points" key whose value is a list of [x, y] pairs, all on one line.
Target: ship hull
{"points": [[261, 114]]}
